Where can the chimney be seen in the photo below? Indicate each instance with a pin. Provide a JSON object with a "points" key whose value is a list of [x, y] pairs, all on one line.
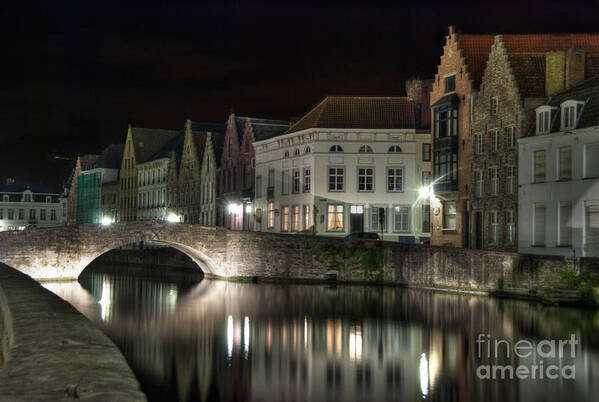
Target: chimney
{"points": [[574, 67], [418, 90]]}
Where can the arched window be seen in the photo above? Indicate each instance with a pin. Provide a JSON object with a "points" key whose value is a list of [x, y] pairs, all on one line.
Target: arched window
{"points": [[394, 149], [365, 149], [296, 152], [336, 148], [286, 154], [307, 150]]}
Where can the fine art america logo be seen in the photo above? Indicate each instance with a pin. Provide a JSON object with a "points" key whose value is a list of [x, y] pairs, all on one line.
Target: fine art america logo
{"points": [[536, 358]]}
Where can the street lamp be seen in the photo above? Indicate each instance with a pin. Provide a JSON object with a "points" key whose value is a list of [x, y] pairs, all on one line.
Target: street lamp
{"points": [[173, 218]]}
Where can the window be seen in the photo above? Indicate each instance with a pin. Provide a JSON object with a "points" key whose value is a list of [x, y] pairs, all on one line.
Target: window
{"points": [[376, 213], [570, 112], [510, 179], [271, 215], [479, 143], [336, 148], [335, 218], [538, 222], [258, 188], [296, 152], [450, 83], [270, 191], [426, 218], [494, 106], [394, 149], [449, 215], [365, 179], [565, 163], [510, 135], [591, 161], [1, 213], [285, 219], [286, 154], [21, 214], [446, 166], [494, 227], [446, 121], [27, 197], [296, 181], [401, 219], [11, 214], [48, 199], [539, 166], [494, 135], [307, 217], [545, 116], [307, 177], [336, 175], [365, 149], [31, 213], [426, 178], [307, 150], [426, 152], [295, 218], [509, 226], [564, 228], [5, 197], [395, 180], [478, 183], [494, 181], [285, 182]]}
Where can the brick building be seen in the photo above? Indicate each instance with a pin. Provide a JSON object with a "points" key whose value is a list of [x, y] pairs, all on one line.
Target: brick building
{"points": [[236, 176], [521, 72], [456, 82]]}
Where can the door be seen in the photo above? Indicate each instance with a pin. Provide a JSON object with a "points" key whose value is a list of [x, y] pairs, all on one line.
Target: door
{"points": [[356, 218], [478, 228], [591, 230]]}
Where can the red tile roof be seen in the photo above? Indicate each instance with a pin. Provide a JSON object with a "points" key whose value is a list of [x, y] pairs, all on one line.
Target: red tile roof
{"points": [[475, 50], [359, 112]]}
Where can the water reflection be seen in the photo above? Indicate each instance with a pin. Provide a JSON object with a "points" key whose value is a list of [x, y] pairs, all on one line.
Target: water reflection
{"points": [[245, 342]]}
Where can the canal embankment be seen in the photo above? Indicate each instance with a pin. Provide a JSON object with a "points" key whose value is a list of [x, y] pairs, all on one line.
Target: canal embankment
{"points": [[52, 352]]}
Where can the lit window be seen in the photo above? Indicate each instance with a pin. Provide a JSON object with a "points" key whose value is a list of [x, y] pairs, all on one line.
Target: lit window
{"points": [[365, 149], [335, 218], [449, 215], [285, 219], [295, 218], [401, 219], [307, 217], [394, 180], [336, 148], [336, 175], [271, 215], [365, 179]]}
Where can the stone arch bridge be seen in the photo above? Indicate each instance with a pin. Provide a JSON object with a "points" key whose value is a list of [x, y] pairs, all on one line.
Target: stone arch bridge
{"points": [[64, 252]]}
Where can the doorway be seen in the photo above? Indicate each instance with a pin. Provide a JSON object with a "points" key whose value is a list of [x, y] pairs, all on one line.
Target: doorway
{"points": [[356, 218]]}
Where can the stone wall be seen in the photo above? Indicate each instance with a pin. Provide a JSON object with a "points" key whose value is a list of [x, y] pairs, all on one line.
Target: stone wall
{"points": [[52, 352]]}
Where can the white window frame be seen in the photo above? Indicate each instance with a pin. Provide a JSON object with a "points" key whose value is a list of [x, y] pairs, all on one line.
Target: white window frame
{"points": [[534, 166], [336, 212], [510, 179], [405, 218], [374, 219], [307, 172], [479, 143], [336, 176], [494, 140], [395, 176], [493, 181], [365, 175], [511, 137], [545, 116], [560, 164], [570, 113]]}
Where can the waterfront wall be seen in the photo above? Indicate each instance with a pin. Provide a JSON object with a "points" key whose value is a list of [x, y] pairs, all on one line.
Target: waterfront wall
{"points": [[52, 352]]}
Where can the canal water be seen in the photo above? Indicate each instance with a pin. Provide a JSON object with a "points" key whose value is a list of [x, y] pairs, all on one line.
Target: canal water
{"points": [[222, 341]]}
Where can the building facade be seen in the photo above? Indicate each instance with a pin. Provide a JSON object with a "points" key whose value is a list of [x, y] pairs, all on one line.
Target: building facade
{"points": [[208, 173], [235, 190], [349, 165], [82, 164], [152, 188], [559, 176], [520, 73], [24, 206], [141, 144]]}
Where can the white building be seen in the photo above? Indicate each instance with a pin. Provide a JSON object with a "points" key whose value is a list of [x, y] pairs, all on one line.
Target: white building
{"points": [[346, 165], [151, 188], [559, 176], [24, 206]]}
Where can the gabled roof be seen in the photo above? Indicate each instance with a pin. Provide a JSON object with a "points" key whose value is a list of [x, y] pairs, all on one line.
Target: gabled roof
{"points": [[15, 189], [475, 50], [359, 112], [174, 145], [218, 143], [263, 128], [587, 91], [88, 162], [111, 157], [147, 141], [529, 73]]}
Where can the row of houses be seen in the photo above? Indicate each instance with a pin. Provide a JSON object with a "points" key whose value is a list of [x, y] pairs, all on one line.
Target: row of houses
{"points": [[499, 151]]}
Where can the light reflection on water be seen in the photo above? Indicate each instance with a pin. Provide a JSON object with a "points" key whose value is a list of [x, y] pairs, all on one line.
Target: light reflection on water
{"points": [[236, 341]]}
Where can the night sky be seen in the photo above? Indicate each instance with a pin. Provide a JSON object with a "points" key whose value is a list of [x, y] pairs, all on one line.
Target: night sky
{"points": [[75, 73]]}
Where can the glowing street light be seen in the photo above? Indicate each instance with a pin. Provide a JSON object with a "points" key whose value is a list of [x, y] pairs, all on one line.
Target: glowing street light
{"points": [[105, 221], [173, 218]]}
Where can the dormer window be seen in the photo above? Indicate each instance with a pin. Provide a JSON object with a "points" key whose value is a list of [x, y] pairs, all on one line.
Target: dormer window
{"points": [[571, 111], [5, 197], [336, 148], [450, 83], [394, 149], [48, 199], [545, 117], [365, 149], [27, 197]]}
